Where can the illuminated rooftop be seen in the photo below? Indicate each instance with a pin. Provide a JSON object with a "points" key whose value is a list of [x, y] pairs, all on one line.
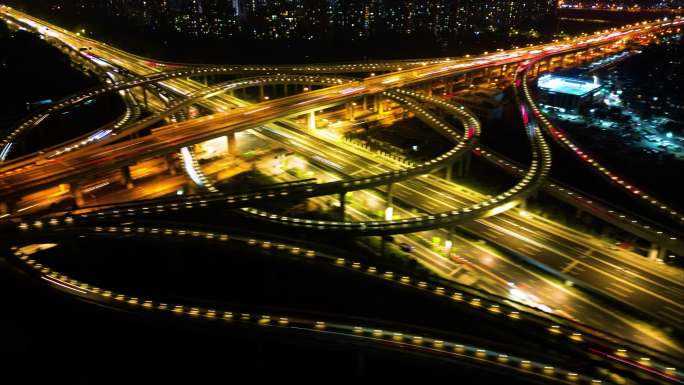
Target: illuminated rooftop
{"points": [[571, 86]]}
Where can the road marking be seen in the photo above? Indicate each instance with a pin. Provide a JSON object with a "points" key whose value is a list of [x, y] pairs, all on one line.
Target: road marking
{"points": [[674, 311], [617, 292], [601, 310], [622, 288], [677, 320], [532, 248], [570, 266]]}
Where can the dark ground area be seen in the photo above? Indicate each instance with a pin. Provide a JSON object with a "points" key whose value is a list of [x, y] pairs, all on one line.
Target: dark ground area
{"points": [[64, 338], [34, 71]]}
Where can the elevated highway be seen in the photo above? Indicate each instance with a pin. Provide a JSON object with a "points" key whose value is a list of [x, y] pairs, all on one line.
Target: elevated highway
{"points": [[59, 166]]}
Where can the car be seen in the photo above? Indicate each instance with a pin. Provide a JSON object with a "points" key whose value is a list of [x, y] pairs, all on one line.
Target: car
{"points": [[406, 247]]}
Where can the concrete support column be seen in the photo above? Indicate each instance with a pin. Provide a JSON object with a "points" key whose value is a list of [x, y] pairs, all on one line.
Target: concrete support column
{"points": [[449, 241], [390, 194], [653, 252], [232, 144], [343, 205], [77, 194], [466, 168], [350, 110], [144, 91], [261, 92], [460, 168], [449, 172], [285, 89], [126, 178], [165, 101], [7, 207], [662, 253], [311, 120], [365, 103], [523, 204], [171, 164], [657, 252]]}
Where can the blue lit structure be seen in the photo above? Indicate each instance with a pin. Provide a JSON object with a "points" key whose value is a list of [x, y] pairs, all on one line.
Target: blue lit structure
{"points": [[566, 93]]}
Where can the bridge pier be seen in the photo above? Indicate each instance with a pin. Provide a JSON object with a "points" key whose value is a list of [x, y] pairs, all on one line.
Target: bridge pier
{"points": [[449, 242], [350, 110], [378, 105], [390, 194], [144, 92], [449, 172], [261, 92], [311, 120], [7, 207], [343, 205], [470, 79], [657, 252], [77, 194], [383, 246], [464, 166], [285, 89], [232, 143], [126, 178], [170, 162]]}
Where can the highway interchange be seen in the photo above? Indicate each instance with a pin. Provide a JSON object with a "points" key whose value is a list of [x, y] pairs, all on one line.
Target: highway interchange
{"points": [[569, 255]]}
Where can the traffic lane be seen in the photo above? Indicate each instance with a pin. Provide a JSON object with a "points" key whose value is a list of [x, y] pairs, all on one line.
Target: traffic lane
{"points": [[616, 286], [599, 257], [540, 235], [638, 296], [177, 136], [565, 249]]}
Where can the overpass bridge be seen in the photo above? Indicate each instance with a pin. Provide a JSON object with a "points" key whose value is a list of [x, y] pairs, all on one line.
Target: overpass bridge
{"points": [[73, 165]]}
